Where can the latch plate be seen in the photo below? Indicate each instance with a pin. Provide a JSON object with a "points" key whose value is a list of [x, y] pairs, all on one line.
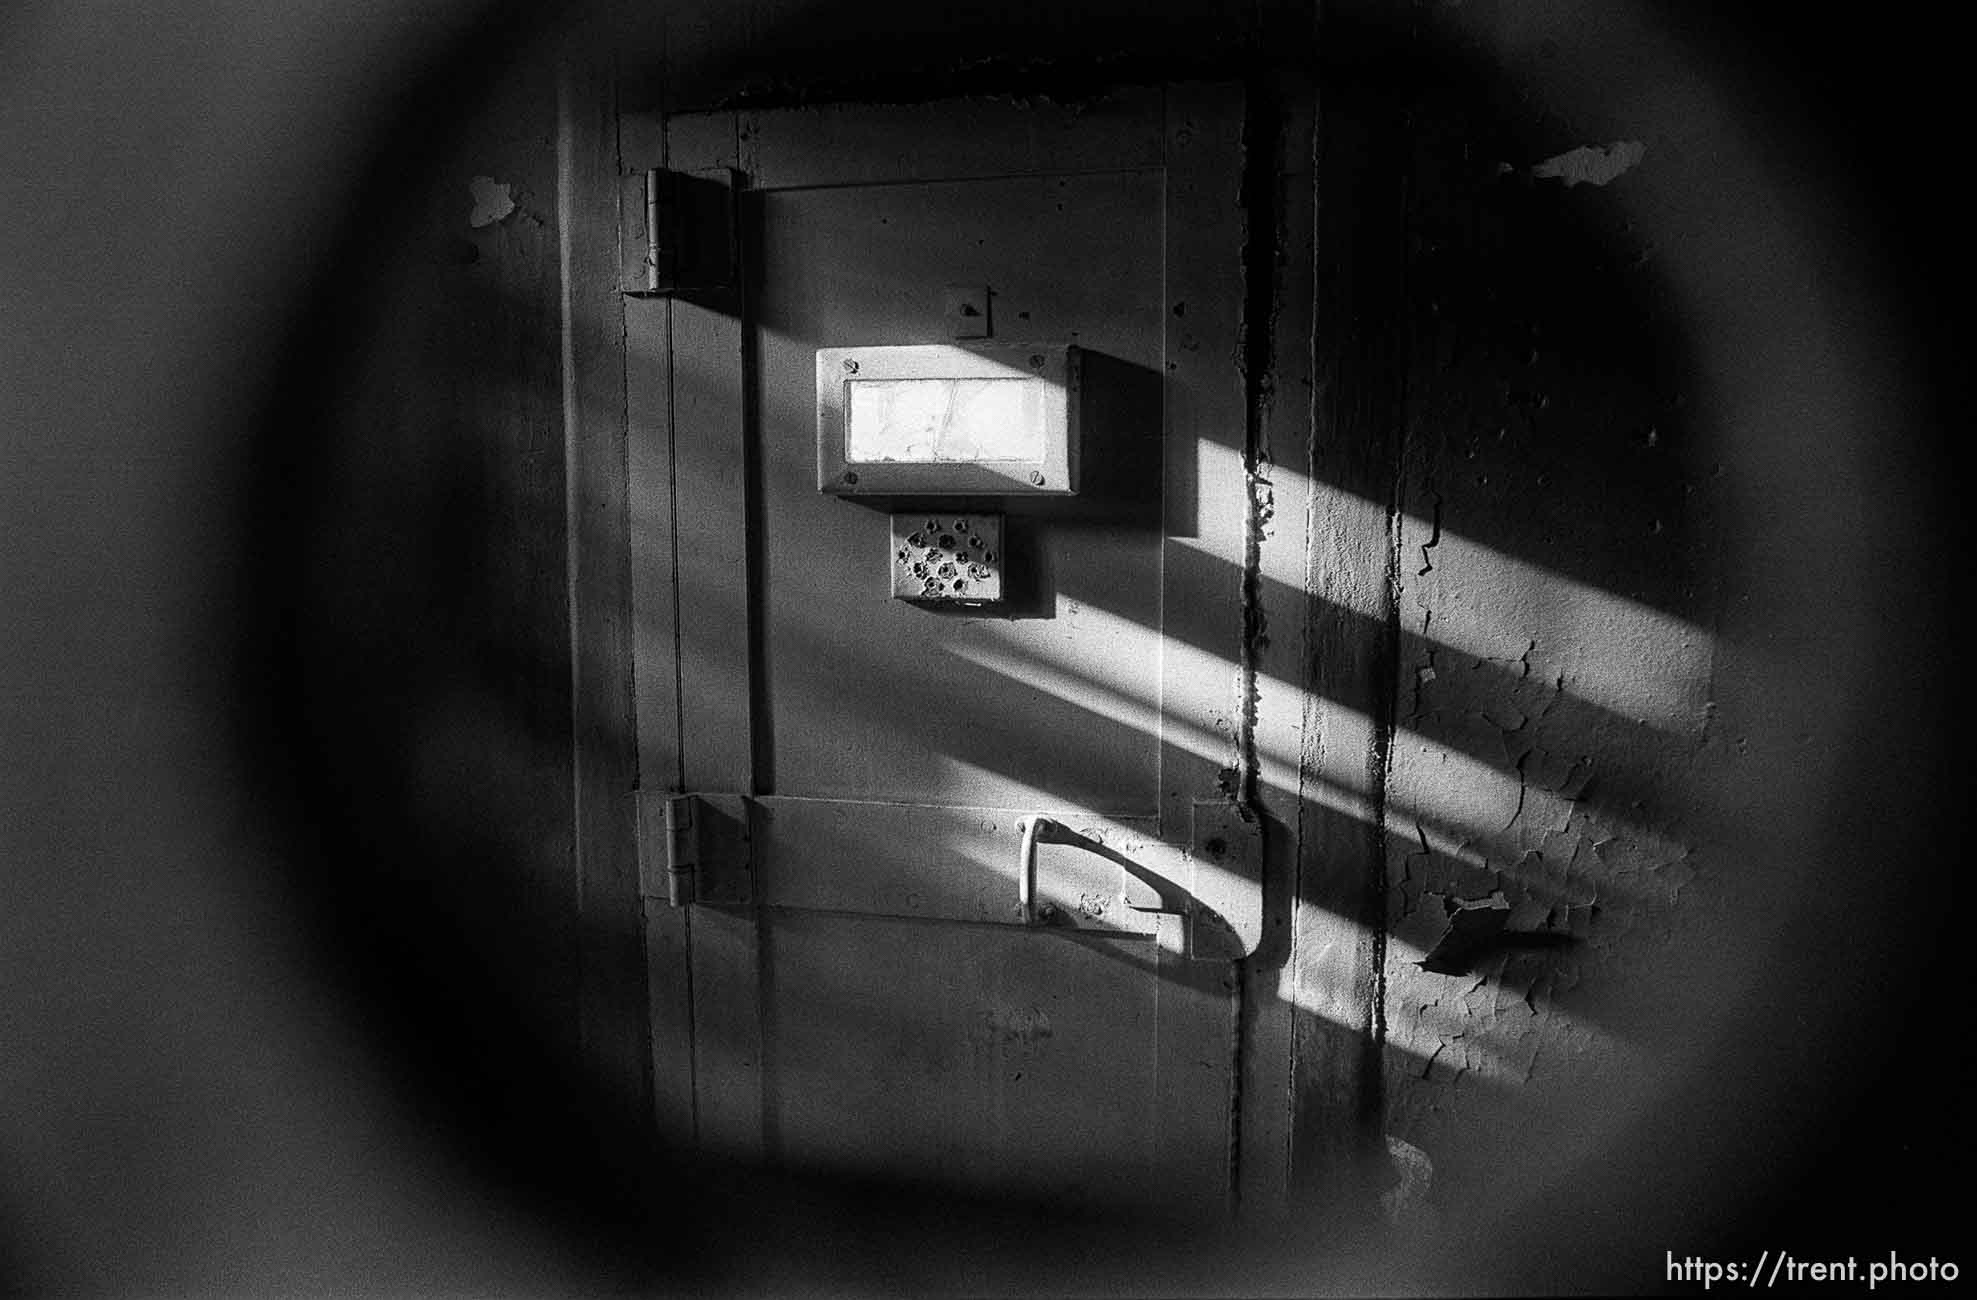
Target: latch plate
{"points": [[1226, 922]]}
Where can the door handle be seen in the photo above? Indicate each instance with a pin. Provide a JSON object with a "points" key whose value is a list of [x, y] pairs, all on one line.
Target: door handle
{"points": [[719, 850], [1048, 830]]}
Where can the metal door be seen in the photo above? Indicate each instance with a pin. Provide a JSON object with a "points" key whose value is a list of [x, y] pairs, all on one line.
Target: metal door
{"points": [[857, 983]]}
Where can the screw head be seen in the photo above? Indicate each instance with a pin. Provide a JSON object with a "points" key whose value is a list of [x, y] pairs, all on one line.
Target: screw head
{"points": [[850, 366], [849, 478], [1036, 477], [1036, 360]]}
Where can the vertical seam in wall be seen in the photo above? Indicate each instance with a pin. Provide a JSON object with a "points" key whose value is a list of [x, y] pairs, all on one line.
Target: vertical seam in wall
{"points": [[1161, 734], [573, 461], [1258, 324], [673, 514], [1258, 203], [622, 461], [755, 526], [678, 782], [1308, 720], [761, 739], [621, 466], [1373, 1090]]}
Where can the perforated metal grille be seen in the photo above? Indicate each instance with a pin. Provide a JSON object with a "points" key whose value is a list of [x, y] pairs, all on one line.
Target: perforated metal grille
{"points": [[945, 558]]}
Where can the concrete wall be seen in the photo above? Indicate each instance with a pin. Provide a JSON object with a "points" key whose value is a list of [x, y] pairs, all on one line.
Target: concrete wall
{"points": [[1617, 921]]}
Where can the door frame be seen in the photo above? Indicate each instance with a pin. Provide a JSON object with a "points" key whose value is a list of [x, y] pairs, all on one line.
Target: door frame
{"points": [[1291, 1083]]}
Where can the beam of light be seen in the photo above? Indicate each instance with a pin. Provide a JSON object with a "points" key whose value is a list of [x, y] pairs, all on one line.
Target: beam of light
{"points": [[1465, 809], [1443, 1026], [1627, 657], [1473, 803]]}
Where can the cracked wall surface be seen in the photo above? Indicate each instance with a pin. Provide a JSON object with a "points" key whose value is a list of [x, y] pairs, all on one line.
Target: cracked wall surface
{"points": [[1552, 690]]}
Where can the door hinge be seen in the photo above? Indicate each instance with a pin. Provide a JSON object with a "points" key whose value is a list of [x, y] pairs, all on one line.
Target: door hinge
{"points": [[696, 848], [677, 232]]}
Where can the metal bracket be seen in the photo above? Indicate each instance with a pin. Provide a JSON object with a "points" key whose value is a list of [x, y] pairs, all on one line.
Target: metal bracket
{"points": [[1227, 840], [700, 848], [677, 232], [696, 848]]}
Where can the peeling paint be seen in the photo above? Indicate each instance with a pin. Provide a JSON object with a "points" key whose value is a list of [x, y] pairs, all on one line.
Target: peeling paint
{"points": [[1551, 687], [1470, 931], [493, 201], [1434, 537], [1591, 164], [1518, 875]]}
